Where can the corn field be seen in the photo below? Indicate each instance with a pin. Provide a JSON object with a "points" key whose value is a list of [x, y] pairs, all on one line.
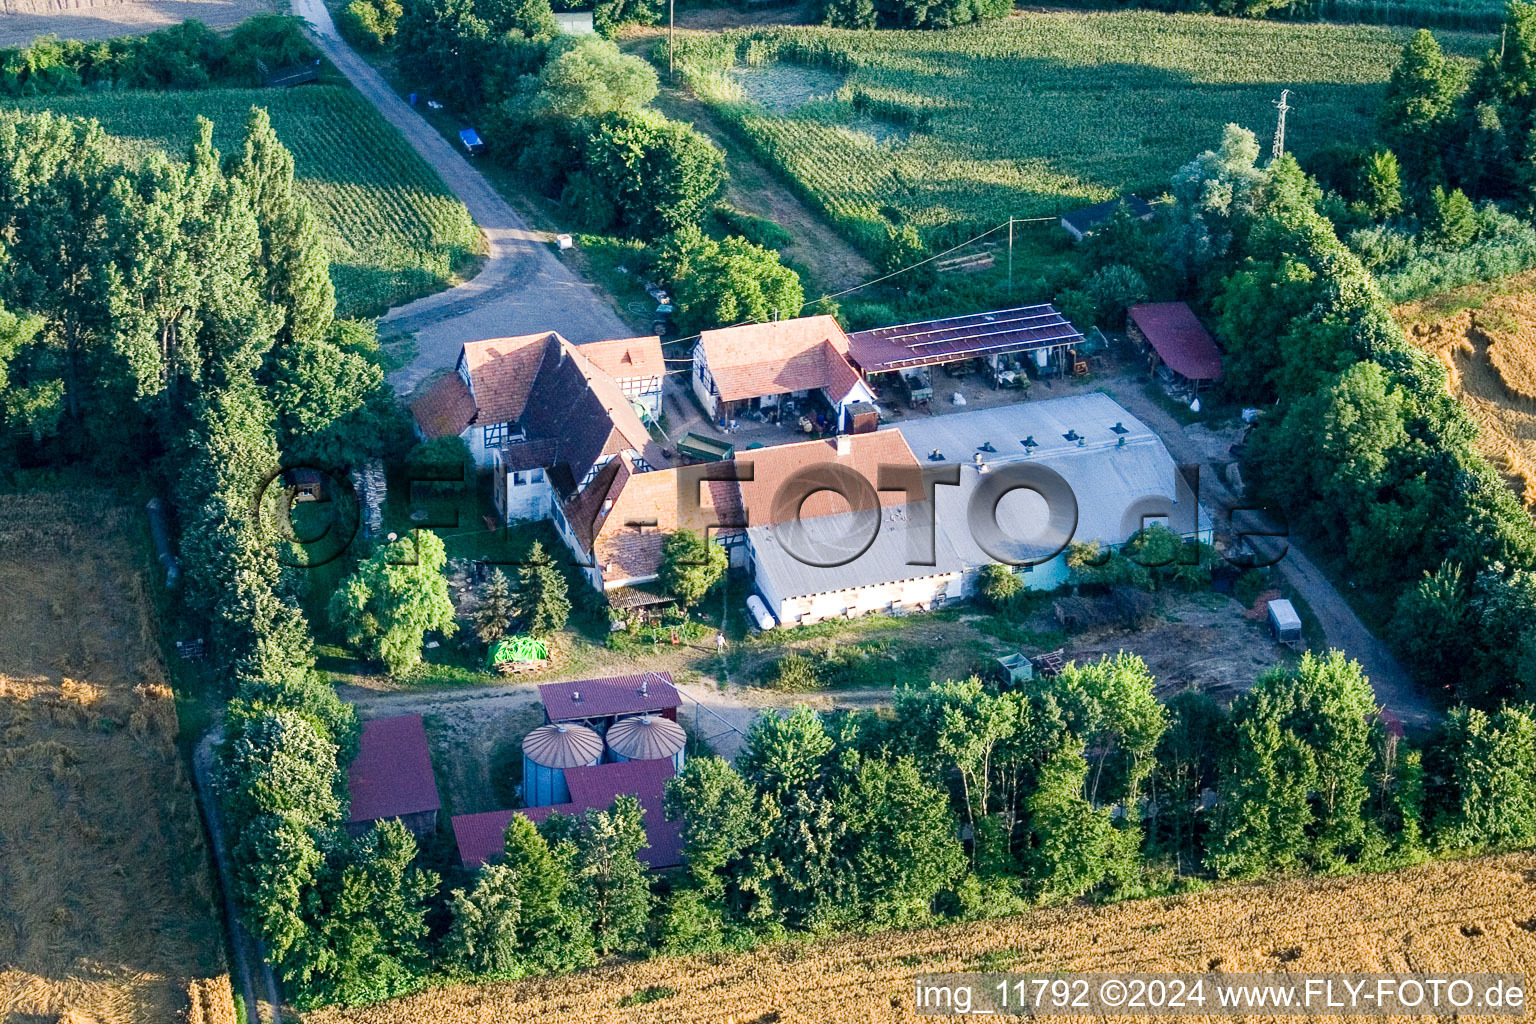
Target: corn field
{"points": [[108, 908], [1458, 916], [958, 130], [395, 230]]}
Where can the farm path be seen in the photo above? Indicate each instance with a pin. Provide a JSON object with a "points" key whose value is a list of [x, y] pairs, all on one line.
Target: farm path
{"points": [[1342, 627], [240, 943], [523, 287]]}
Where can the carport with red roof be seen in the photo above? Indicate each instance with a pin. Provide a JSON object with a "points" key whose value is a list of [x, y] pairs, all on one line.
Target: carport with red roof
{"points": [[1177, 339]]}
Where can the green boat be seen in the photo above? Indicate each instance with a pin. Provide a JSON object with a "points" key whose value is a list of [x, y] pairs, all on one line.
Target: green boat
{"points": [[704, 449]]}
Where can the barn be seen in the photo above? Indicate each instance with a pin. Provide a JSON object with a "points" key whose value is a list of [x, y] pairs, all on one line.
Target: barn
{"points": [[391, 777], [593, 788], [1172, 336], [597, 703]]}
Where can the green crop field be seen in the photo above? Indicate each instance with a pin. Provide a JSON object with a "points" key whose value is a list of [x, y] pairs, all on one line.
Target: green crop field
{"points": [[395, 230], [957, 131]]}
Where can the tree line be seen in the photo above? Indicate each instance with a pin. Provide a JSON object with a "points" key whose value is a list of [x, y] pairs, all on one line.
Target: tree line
{"points": [[188, 55]]}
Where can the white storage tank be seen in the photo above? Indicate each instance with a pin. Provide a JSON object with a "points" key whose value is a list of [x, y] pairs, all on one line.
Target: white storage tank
{"points": [[547, 752], [647, 738]]}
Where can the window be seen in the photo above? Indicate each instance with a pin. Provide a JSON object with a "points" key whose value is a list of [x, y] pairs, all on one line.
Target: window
{"points": [[535, 476], [495, 435]]}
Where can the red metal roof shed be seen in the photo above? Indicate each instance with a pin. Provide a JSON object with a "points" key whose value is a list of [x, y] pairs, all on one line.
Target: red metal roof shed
{"points": [[392, 774], [593, 788], [605, 698], [932, 342], [1179, 338]]}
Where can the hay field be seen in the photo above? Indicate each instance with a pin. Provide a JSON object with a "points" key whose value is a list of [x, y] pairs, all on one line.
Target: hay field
{"points": [[106, 902], [1465, 916], [1486, 337]]}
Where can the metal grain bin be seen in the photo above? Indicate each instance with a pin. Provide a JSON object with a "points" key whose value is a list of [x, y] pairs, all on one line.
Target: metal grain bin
{"points": [[547, 752], [647, 738]]}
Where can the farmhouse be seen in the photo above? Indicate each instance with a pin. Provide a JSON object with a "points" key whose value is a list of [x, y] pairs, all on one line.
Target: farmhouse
{"points": [[1001, 340], [544, 416], [1175, 338], [1082, 223], [636, 366], [592, 788], [597, 703], [1116, 476], [391, 777], [785, 369], [616, 529]]}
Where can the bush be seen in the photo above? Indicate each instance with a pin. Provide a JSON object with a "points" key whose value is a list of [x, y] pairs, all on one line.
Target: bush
{"points": [[657, 174], [369, 24], [732, 281], [1000, 585], [794, 673]]}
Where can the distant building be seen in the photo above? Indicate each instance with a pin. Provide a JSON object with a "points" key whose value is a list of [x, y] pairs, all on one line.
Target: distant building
{"points": [[1082, 223], [596, 703], [762, 368], [391, 777], [480, 837], [1174, 337]]}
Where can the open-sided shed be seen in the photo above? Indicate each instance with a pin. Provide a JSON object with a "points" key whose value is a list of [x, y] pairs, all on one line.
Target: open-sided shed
{"points": [[391, 777], [1003, 338], [1177, 339]]}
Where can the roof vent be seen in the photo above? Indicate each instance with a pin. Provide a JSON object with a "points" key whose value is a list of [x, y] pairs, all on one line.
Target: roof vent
{"points": [[986, 446], [576, 696], [935, 456], [1120, 428], [560, 727], [1071, 435], [1120, 443], [645, 687], [976, 458], [1030, 442]]}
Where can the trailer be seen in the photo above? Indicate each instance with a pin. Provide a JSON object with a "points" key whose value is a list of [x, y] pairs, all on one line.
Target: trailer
{"points": [[704, 449], [471, 140], [1285, 624]]}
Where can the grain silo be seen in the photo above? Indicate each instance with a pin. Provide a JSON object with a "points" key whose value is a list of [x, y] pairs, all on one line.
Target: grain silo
{"points": [[547, 752], [647, 738]]}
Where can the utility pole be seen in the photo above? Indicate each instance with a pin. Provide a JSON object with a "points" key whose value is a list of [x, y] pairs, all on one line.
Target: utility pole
{"points": [[1279, 148], [1010, 257]]}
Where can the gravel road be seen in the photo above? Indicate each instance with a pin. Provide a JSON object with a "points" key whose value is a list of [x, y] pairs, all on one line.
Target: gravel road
{"points": [[523, 287]]}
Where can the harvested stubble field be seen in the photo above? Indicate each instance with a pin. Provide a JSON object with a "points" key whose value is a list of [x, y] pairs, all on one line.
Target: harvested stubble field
{"points": [[1470, 915], [106, 902], [395, 230], [1486, 337]]}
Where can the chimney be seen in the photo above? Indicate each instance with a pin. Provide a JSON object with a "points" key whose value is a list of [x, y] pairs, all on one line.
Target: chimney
{"points": [[844, 444]]}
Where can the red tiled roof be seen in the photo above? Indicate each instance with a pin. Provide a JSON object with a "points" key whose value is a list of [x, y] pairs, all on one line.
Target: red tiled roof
{"points": [[773, 465], [593, 788], [624, 358], [602, 698], [1180, 339], [554, 391], [625, 551], [392, 774], [774, 358], [445, 408]]}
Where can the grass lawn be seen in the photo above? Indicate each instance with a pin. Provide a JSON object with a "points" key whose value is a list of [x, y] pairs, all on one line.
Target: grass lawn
{"points": [[956, 131], [395, 231]]}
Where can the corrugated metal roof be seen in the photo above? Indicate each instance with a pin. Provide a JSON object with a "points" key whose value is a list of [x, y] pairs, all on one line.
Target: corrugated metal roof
{"points": [[604, 698], [645, 738], [562, 745], [593, 788], [960, 337], [392, 773], [901, 540]]}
